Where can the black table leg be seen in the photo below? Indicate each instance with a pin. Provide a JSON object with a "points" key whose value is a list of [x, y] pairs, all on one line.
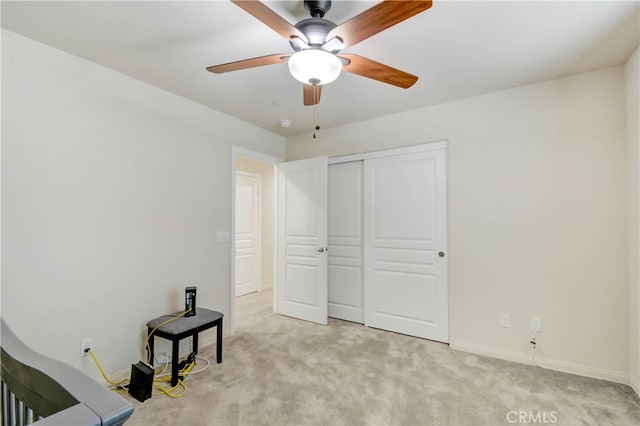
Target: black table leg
{"points": [[219, 342], [195, 343], [150, 339], [174, 362]]}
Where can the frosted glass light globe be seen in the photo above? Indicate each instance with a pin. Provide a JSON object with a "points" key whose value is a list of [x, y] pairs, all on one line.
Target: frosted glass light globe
{"points": [[315, 66]]}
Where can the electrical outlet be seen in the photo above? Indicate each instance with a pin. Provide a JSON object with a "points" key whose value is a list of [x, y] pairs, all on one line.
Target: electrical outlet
{"points": [[536, 325], [504, 320], [86, 343]]}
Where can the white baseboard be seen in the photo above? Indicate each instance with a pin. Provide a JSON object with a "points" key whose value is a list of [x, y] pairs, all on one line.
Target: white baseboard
{"points": [[552, 364]]}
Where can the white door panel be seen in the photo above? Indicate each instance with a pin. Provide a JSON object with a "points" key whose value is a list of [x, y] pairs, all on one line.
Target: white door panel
{"points": [[302, 239], [403, 196], [345, 241], [247, 233], [301, 284], [405, 229], [344, 289]]}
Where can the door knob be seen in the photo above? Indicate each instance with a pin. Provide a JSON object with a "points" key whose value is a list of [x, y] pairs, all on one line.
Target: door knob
{"points": [[441, 254], [321, 250]]}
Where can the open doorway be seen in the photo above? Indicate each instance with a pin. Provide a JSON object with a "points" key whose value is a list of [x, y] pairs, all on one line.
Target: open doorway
{"points": [[253, 255]]}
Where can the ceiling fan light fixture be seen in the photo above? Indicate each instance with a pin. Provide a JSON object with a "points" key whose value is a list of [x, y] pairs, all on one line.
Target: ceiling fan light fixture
{"points": [[315, 66]]}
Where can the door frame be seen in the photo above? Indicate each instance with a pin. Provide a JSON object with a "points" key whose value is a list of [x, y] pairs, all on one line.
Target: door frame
{"points": [[237, 151]]}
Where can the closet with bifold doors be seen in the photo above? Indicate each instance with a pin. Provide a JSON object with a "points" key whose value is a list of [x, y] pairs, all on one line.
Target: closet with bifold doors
{"points": [[387, 240]]}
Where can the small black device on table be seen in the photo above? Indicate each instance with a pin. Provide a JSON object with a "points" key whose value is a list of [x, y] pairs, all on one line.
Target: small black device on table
{"points": [[190, 301]]}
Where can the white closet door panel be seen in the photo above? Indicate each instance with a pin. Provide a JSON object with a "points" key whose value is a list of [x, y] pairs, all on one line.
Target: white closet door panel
{"points": [[404, 201], [343, 287], [345, 241], [347, 251], [405, 229], [416, 315]]}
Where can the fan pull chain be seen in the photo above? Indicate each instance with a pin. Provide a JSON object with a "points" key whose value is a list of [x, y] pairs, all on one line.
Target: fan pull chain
{"points": [[315, 122]]}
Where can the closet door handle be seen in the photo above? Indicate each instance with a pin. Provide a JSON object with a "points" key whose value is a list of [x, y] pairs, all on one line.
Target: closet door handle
{"points": [[321, 250]]}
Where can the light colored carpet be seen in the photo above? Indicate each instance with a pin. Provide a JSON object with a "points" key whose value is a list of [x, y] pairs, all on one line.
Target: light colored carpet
{"points": [[281, 371]]}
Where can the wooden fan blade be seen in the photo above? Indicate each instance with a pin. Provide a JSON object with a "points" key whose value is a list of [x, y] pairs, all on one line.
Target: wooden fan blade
{"points": [[377, 19], [271, 19], [249, 63], [368, 68], [311, 94]]}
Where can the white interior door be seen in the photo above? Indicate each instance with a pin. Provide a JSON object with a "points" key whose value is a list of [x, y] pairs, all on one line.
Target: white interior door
{"points": [[345, 241], [405, 244], [248, 267], [302, 239]]}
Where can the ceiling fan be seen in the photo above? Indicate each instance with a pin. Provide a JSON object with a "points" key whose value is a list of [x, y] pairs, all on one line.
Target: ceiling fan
{"points": [[317, 42]]}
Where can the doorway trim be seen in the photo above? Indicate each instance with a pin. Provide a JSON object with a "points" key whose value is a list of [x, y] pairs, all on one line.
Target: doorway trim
{"points": [[237, 151]]}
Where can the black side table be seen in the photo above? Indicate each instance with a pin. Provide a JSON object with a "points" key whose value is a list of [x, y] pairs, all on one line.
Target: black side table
{"points": [[184, 327]]}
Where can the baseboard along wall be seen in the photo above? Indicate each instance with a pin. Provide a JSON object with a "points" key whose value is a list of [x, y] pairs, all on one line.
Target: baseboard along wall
{"points": [[552, 364]]}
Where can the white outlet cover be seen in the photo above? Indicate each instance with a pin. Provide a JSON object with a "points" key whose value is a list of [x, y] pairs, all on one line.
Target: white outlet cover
{"points": [[84, 344], [536, 325], [504, 320]]}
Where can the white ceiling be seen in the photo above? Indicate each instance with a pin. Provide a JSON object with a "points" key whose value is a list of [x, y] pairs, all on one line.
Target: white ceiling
{"points": [[458, 49]]}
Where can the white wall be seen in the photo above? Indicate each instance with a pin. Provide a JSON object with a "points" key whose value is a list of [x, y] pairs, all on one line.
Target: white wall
{"points": [[112, 191], [536, 213], [632, 75]]}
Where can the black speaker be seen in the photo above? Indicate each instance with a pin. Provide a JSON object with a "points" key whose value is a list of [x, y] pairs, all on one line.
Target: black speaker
{"points": [[141, 382]]}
